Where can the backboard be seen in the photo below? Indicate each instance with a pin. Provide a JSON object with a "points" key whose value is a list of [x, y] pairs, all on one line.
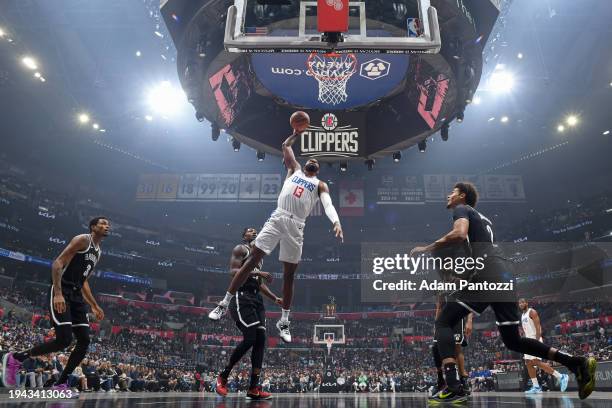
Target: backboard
{"points": [[325, 332], [293, 26]]}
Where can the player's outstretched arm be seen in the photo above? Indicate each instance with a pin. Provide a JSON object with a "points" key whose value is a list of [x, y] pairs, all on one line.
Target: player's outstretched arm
{"points": [[288, 155], [459, 233], [330, 211]]}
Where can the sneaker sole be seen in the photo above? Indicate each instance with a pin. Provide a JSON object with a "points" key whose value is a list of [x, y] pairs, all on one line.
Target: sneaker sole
{"points": [[4, 365], [587, 389]]}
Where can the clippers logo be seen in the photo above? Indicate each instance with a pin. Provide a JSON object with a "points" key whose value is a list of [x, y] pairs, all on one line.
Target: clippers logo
{"points": [[330, 139], [329, 121], [338, 5], [375, 69]]}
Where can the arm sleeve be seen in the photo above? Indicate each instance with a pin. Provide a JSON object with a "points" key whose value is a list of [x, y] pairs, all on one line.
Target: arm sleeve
{"points": [[330, 211], [460, 211]]}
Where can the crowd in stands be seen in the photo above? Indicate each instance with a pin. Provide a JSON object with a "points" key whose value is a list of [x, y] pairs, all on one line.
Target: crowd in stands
{"points": [[127, 360]]}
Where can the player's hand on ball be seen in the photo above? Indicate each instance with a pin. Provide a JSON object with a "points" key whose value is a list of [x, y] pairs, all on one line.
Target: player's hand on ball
{"points": [[59, 304], [99, 313], [338, 231], [266, 276]]}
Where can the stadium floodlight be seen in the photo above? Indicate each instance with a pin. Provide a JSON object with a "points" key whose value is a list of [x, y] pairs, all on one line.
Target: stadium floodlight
{"points": [[606, 132], [83, 118], [96, 126], [261, 156], [236, 145], [149, 118], [2, 32], [519, 55], [460, 116], [501, 81], [30, 63], [165, 98], [572, 120], [138, 53], [397, 156], [504, 119], [423, 146], [477, 100], [37, 74]]}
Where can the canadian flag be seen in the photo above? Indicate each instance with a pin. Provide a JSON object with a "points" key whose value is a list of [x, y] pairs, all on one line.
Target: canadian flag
{"points": [[351, 198]]}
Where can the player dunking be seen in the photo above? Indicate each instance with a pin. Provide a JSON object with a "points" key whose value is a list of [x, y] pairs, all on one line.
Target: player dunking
{"points": [[247, 310], [471, 225], [68, 298], [301, 191], [533, 330]]}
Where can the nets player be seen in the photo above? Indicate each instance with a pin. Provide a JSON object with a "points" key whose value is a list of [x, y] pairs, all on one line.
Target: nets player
{"points": [[533, 330], [461, 331], [301, 191], [471, 225], [247, 310], [68, 298]]}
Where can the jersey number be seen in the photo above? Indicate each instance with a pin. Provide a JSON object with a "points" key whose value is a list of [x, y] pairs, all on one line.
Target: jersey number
{"points": [[298, 191], [87, 271]]}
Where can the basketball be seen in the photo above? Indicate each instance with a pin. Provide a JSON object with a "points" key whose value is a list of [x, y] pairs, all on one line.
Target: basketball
{"points": [[299, 121]]}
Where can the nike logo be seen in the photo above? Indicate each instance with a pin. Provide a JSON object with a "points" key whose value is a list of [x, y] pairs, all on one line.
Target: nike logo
{"points": [[445, 395]]}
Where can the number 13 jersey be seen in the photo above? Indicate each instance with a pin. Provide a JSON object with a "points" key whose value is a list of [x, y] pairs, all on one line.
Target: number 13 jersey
{"points": [[299, 194]]}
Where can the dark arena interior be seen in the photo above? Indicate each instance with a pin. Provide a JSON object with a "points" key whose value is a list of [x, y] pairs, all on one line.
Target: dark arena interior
{"points": [[435, 229]]}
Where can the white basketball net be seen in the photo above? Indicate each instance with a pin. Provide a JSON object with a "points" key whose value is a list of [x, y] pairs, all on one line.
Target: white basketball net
{"points": [[332, 72], [329, 343]]}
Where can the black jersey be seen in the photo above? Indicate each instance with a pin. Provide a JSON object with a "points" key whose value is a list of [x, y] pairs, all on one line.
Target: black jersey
{"points": [[253, 282], [480, 231], [81, 266]]}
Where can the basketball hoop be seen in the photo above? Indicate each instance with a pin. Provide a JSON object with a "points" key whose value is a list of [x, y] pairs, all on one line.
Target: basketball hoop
{"points": [[332, 71], [328, 343]]}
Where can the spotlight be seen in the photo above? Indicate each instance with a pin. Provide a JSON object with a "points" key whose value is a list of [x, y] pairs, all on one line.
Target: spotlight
{"points": [[261, 156], [1, 33], [370, 164], [96, 126], [37, 74], [422, 145], [236, 145], [138, 53], [84, 118], [460, 116], [149, 118], [30, 63], [476, 100], [560, 128], [572, 120], [501, 81], [215, 132], [443, 134], [166, 99], [343, 167], [397, 156], [504, 119], [519, 55], [606, 133]]}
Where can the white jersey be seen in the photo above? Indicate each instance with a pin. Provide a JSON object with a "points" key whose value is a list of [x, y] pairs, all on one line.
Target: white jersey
{"points": [[528, 325], [299, 194]]}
